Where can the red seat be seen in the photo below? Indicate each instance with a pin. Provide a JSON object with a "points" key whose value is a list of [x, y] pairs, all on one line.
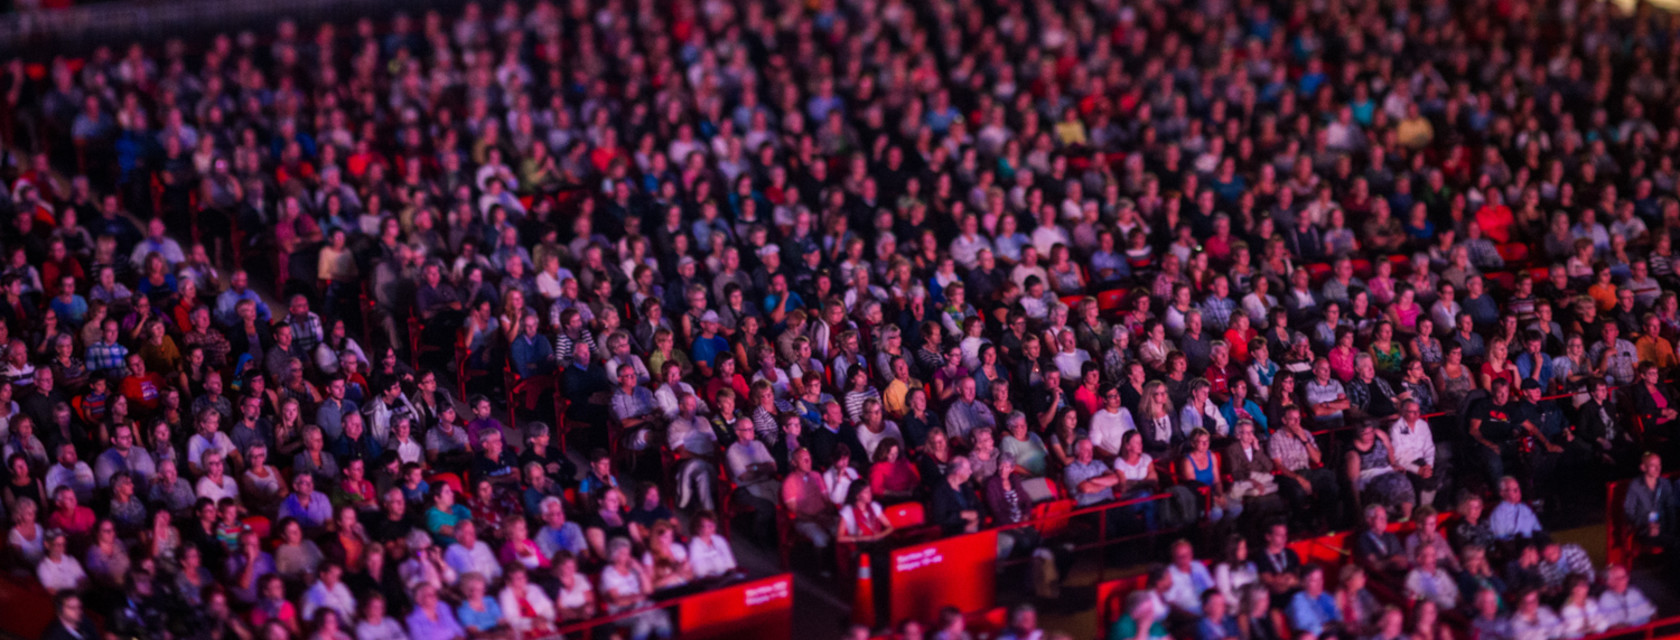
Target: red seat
{"points": [[1052, 517], [258, 524], [1112, 302], [1502, 280], [984, 624], [905, 515], [1514, 253], [453, 480], [1362, 268], [1111, 597], [1319, 272]]}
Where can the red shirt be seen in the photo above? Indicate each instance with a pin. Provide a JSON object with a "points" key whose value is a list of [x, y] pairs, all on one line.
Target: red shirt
{"points": [[144, 391], [77, 523]]}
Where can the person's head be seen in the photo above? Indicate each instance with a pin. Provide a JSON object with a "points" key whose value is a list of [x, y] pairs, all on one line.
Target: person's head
{"points": [[1312, 579], [69, 608], [1510, 490]]}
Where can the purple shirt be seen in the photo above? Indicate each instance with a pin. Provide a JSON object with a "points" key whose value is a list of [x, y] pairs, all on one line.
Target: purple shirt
{"points": [[312, 517], [421, 627]]}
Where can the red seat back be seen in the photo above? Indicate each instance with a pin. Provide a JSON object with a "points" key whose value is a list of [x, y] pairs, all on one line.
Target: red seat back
{"points": [[1111, 598], [906, 514]]}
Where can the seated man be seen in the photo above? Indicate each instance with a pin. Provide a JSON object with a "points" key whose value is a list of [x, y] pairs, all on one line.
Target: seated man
{"points": [[806, 500], [635, 409], [1559, 561], [1278, 564], [955, 509], [753, 471], [1623, 604], [1376, 547], [1190, 579], [1216, 622], [1313, 610], [1512, 518]]}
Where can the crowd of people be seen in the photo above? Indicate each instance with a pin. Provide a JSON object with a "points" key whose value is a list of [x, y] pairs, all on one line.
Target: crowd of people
{"points": [[744, 273]]}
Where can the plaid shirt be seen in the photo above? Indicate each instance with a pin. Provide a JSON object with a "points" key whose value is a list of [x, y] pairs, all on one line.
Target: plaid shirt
{"points": [[1290, 453], [1571, 559], [1216, 313], [306, 332], [106, 357]]}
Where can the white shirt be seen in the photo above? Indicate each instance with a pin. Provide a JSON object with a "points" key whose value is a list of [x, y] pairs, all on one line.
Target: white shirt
{"points": [[387, 629], [839, 482], [409, 450], [578, 594], [1436, 586], [198, 445], [693, 434], [541, 605], [1108, 429], [479, 558], [848, 517], [1544, 626], [1186, 590], [1628, 608], [79, 478], [1585, 619], [62, 575], [711, 556], [336, 598], [870, 439], [208, 488], [1412, 443]]}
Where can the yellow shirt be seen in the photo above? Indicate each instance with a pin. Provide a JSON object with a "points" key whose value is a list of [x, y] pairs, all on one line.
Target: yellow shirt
{"points": [[893, 399], [1655, 350], [1415, 133]]}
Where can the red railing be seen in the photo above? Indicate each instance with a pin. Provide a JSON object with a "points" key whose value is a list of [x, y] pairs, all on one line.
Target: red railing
{"points": [[1664, 628], [674, 606]]}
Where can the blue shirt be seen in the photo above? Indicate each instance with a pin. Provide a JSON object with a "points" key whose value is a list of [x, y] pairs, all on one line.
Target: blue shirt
{"points": [[1077, 473], [569, 538], [532, 356], [794, 302], [316, 515], [1512, 521], [1525, 368], [1310, 614], [480, 620], [706, 349]]}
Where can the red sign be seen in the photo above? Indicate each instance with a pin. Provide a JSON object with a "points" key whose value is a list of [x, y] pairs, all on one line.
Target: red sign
{"points": [[960, 572], [757, 609]]}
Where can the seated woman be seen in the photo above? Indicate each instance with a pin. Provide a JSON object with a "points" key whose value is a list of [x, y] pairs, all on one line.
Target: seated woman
{"points": [[610, 520], [1375, 476], [891, 476], [1428, 534], [1200, 468], [528, 609], [626, 585], [1359, 609], [862, 520], [478, 613], [666, 559], [1137, 470], [1654, 403]]}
